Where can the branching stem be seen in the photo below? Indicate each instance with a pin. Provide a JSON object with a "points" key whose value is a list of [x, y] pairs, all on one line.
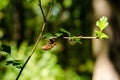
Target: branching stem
{"points": [[38, 39]]}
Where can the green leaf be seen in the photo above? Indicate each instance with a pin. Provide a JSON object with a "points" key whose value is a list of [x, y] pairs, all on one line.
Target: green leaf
{"points": [[97, 33], [65, 31], [74, 38], [6, 48], [58, 34], [101, 35], [9, 62], [102, 23], [50, 3], [77, 40], [47, 36], [16, 63]]}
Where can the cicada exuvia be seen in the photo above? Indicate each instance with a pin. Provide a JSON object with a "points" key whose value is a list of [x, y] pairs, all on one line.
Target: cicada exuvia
{"points": [[50, 45]]}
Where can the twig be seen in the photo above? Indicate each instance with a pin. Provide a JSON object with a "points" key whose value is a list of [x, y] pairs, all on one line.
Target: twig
{"points": [[81, 37], [38, 39], [42, 11]]}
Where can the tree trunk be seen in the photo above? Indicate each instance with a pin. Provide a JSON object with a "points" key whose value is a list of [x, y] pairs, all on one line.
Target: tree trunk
{"points": [[104, 68]]}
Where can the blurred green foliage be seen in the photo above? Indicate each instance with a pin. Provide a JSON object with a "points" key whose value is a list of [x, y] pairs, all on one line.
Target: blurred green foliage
{"points": [[20, 24]]}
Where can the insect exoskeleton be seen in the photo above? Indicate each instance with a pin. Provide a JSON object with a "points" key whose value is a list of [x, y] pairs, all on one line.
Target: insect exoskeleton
{"points": [[50, 45]]}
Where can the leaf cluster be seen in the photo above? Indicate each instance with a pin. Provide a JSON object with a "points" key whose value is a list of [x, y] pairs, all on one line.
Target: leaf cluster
{"points": [[102, 24], [60, 34], [7, 49]]}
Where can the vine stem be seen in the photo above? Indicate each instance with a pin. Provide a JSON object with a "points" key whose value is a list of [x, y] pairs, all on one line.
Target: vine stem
{"points": [[38, 39]]}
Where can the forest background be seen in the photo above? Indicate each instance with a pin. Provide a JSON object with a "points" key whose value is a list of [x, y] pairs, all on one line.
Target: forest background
{"points": [[20, 24]]}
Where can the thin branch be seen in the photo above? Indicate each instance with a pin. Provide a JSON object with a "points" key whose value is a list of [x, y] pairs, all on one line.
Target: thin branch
{"points": [[38, 39], [42, 11], [81, 37]]}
